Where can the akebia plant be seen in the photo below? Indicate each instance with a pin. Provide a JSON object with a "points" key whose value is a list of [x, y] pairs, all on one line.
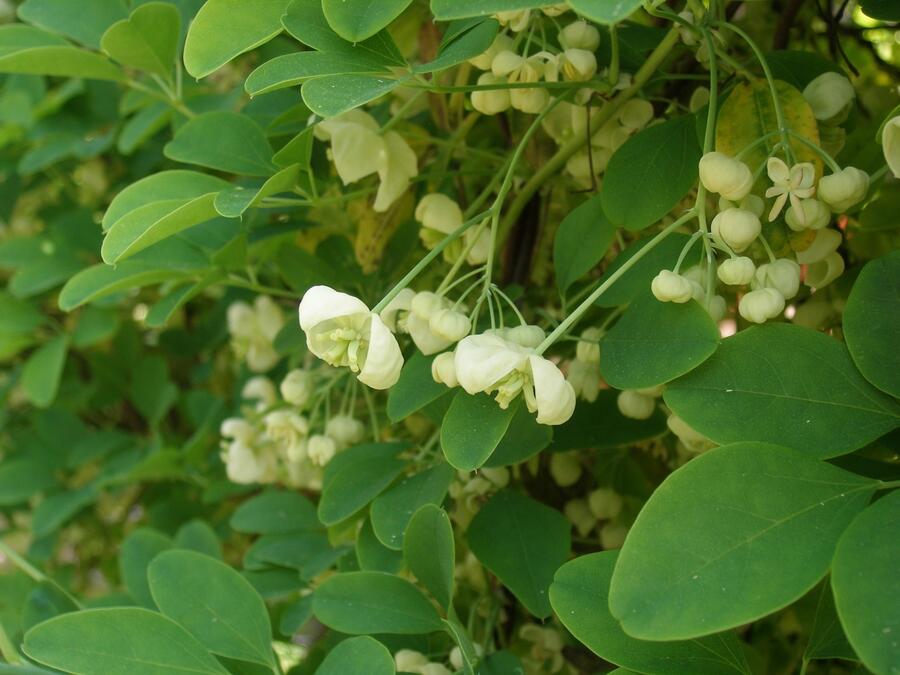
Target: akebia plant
{"points": [[464, 336]]}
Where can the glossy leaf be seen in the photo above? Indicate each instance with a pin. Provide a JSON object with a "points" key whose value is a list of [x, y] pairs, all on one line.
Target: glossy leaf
{"points": [[707, 551], [392, 510], [461, 46], [827, 639], [119, 641], [358, 655], [372, 555], [225, 141], [523, 542], [783, 384], [147, 40], [472, 428], [430, 552], [30, 51], [290, 70], [866, 584], [581, 242], [356, 20], [580, 598], [524, 438], [358, 603]]}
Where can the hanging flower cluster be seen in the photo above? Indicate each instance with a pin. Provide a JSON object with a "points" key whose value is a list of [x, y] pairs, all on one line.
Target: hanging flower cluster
{"points": [[253, 329]]}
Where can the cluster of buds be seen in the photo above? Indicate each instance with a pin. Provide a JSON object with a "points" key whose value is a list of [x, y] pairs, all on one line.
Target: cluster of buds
{"points": [[583, 371], [439, 215], [253, 329], [411, 661], [600, 510]]}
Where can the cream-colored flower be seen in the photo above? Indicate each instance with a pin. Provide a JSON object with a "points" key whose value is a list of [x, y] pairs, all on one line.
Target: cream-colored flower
{"points": [[668, 286], [244, 466], [825, 243], [450, 324], [297, 387], [693, 440], [443, 369], [635, 114], [580, 35], [578, 65], [605, 503], [812, 215], [890, 144], [502, 42], [394, 313], [823, 272], [736, 271], [490, 101], [261, 390], [342, 331], [843, 189], [288, 431], [321, 449], [725, 175], [397, 166], [565, 468], [830, 96], [424, 306], [761, 305], [438, 212], [737, 228], [585, 379], [345, 430], [515, 20], [789, 183], [238, 429], [635, 405], [783, 275], [579, 514], [587, 349], [253, 330]]}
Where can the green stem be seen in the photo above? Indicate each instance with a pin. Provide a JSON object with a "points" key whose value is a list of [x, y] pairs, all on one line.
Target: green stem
{"points": [[828, 159], [708, 141], [888, 485], [613, 73], [21, 563], [10, 655], [174, 103], [269, 290], [586, 304]]}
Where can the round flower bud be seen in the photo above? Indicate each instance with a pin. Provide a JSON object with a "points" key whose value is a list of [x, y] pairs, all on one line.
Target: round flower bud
{"points": [[725, 175], [843, 189], [636, 114], [783, 275], [699, 98], [425, 304], [635, 405], [605, 503], [736, 271], [297, 387], [612, 536], [588, 348], [812, 215], [345, 430], [443, 369], [526, 335], [490, 101], [830, 95], [822, 273], [579, 514], [580, 35], [890, 144], [762, 305], [736, 227], [450, 324], [668, 286], [565, 468], [505, 62], [578, 65], [438, 212], [409, 661], [501, 43], [261, 390], [825, 243], [717, 308], [239, 429], [321, 449]]}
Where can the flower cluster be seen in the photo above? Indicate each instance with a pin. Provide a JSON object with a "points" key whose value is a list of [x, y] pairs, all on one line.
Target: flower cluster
{"points": [[253, 329]]}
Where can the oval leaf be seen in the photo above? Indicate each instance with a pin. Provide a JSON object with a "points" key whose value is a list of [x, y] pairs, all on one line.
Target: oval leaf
{"points": [[358, 655], [472, 428], [356, 20], [581, 241], [225, 141], [430, 553], [356, 477], [392, 510]]}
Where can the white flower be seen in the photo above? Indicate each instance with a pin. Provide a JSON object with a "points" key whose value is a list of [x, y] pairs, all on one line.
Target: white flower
{"points": [[396, 167], [783, 275], [812, 215], [829, 95], [692, 439], [843, 189], [253, 330], [890, 144], [450, 324], [342, 331], [762, 305], [668, 286], [825, 243], [585, 379], [635, 114], [409, 661], [423, 307], [588, 347], [515, 20], [345, 430], [391, 314], [737, 228], [239, 429], [580, 35], [578, 65], [480, 241], [288, 431], [823, 272], [605, 503], [699, 98], [635, 405], [736, 271], [794, 183], [501, 43], [297, 387], [261, 390], [321, 449], [491, 363], [725, 175], [524, 335], [443, 369], [490, 101], [244, 466], [612, 535], [438, 212]]}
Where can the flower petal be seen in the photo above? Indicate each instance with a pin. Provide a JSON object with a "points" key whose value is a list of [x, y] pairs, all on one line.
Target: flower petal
{"points": [[554, 395], [384, 358], [321, 303]]}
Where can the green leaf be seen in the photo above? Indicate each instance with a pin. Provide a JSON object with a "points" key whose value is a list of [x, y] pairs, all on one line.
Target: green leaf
{"points": [[173, 185], [143, 126], [22, 478], [358, 655], [138, 550], [224, 29], [330, 96], [461, 9], [581, 242], [392, 510], [430, 552], [461, 46], [56, 510], [415, 389], [119, 641], [355, 477], [356, 20], [372, 555], [84, 21], [580, 598], [783, 384], [152, 392], [523, 542], [707, 551], [18, 316], [224, 141], [472, 428], [147, 40], [289, 70], [197, 535], [523, 439], [222, 610], [605, 11], [866, 584], [275, 512], [295, 615], [233, 202], [301, 551], [872, 321], [30, 51], [827, 639], [374, 602], [885, 10], [650, 173], [655, 342], [43, 371]]}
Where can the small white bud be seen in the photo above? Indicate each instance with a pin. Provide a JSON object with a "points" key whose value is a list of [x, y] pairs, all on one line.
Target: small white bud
{"points": [[450, 324], [736, 227], [736, 271], [443, 369], [668, 286], [844, 189], [812, 215], [580, 35], [588, 348], [321, 449], [345, 430], [635, 405], [437, 211], [425, 304], [762, 305], [783, 275], [297, 387], [605, 503], [565, 468], [830, 96], [636, 114], [725, 175]]}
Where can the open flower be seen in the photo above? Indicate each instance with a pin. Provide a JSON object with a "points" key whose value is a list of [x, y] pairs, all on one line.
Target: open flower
{"points": [[795, 183], [288, 431], [491, 363], [342, 331]]}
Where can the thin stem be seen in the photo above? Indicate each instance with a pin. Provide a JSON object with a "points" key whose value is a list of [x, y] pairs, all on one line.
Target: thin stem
{"points": [[828, 159], [407, 105], [21, 563], [373, 417], [613, 73], [496, 290], [10, 655], [174, 103], [269, 290]]}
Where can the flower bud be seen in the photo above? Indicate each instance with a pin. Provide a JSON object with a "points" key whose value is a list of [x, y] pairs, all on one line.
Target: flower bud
{"points": [[812, 215], [717, 308], [526, 335], [399, 303], [736, 271], [321, 449], [579, 514], [425, 304], [699, 98], [490, 101], [437, 211], [261, 390], [668, 286], [843, 189], [613, 535], [636, 114], [530, 101], [825, 243], [762, 305], [515, 20], [578, 65], [736, 227], [605, 503], [822, 273], [725, 175], [687, 35], [580, 35], [565, 468], [484, 60], [238, 429], [345, 430], [890, 144], [783, 275], [506, 62], [588, 348], [830, 95], [297, 387], [443, 370], [635, 405], [450, 324]]}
